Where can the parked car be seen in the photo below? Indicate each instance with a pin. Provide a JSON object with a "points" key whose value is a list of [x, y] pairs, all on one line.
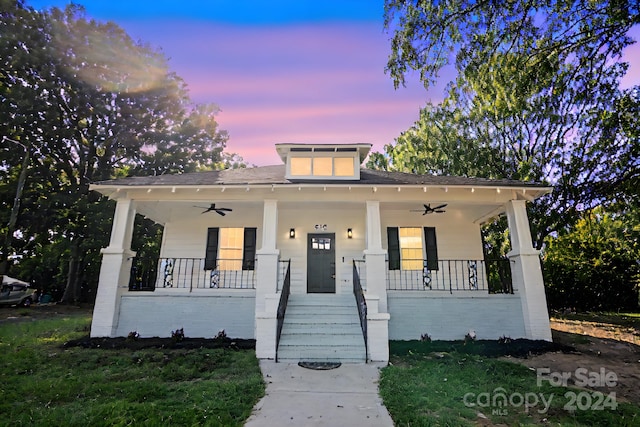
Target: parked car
{"points": [[16, 294]]}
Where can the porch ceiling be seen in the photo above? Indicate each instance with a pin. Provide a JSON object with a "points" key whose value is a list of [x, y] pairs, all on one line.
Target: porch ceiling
{"points": [[163, 211]]}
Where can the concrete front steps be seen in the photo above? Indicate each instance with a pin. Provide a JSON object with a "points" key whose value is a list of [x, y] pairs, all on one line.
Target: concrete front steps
{"points": [[321, 328]]}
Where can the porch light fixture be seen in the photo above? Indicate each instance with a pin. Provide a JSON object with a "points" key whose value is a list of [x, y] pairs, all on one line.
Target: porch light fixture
{"points": [[349, 233], [292, 233]]}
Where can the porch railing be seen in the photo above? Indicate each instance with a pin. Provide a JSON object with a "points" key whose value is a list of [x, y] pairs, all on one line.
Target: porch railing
{"points": [[189, 273], [361, 302], [282, 305], [143, 274], [492, 276]]}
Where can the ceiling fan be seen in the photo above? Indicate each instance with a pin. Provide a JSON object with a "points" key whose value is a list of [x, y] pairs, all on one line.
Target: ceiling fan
{"points": [[428, 209], [212, 208]]}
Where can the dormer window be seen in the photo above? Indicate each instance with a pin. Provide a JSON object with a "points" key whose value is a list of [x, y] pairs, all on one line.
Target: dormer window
{"points": [[300, 166], [308, 162], [343, 166], [322, 166]]}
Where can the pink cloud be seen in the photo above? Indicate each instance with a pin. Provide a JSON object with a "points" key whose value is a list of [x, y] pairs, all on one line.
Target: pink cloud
{"points": [[319, 83], [313, 83], [376, 123]]}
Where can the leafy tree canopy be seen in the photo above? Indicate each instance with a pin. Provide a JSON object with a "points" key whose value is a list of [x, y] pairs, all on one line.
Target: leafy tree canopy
{"points": [[594, 266], [428, 35], [80, 101], [536, 97]]}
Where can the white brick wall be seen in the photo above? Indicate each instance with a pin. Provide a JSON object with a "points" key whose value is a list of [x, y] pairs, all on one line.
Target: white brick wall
{"points": [[450, 317], [201, 316]]}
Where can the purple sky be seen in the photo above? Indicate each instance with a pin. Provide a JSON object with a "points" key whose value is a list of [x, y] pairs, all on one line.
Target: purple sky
{"points": [[283, 70]]}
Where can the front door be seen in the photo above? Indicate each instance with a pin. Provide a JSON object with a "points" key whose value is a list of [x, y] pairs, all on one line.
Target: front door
{"points": [[321, 263]]}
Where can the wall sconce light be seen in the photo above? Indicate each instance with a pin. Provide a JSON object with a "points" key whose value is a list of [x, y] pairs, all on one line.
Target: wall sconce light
{"points": [[349, 233], [292, 233]]}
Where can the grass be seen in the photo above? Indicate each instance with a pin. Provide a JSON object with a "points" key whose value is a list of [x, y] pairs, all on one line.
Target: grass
{"points": [[621, 319], [44, 384], [427, 387]]}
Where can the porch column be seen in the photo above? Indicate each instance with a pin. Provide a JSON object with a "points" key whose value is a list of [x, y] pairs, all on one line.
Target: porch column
{"points": [[527, 273], [114, 271], [266, 284], [375, 256], [376, 282]]}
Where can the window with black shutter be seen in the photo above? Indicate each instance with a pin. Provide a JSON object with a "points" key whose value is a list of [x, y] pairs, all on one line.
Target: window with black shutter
{"points": [[405, 248], [249, 249], [431, 248], [211, 252], [393, 242], [230, 249]]}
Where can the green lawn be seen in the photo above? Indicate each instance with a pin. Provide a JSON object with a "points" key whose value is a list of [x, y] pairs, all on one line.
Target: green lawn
{"points": [[425, 386], [45, 384], [620, 319]]}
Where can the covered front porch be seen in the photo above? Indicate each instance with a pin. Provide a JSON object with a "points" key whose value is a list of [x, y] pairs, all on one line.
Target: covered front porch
{"points": [[154, 297]]}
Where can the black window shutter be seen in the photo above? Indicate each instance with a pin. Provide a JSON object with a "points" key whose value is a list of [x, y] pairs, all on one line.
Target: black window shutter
{"points": [[249, 250], [211, 254], [393, 241], [432, 248]]}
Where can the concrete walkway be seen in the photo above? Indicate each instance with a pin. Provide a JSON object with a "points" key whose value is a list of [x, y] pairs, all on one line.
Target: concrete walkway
{"points": [[295, 396]]}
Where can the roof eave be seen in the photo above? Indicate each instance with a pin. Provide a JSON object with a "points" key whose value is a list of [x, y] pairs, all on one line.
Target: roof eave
{"points": [[525, 192]]}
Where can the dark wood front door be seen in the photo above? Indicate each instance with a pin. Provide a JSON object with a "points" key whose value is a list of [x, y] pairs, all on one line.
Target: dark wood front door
{"points": [[321, 263]]}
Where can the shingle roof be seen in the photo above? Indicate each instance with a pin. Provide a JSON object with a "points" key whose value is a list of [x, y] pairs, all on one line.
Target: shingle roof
{"points": [[276, 175]]}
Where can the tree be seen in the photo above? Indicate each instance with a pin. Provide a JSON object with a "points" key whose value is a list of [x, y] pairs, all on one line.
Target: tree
{"points": [[428, 35], [90, 104], [536, 97], [594, 266]]}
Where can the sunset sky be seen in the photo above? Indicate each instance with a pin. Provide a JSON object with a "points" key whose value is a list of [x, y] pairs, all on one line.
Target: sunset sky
{"points": [[282, 70]]}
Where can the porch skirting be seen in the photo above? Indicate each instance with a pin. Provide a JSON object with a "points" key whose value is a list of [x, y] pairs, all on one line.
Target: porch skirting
{"points": [[451, 317], [156, 314]]}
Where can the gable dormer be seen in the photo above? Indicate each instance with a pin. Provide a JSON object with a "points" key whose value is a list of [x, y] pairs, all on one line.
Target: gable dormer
{"points": [[323, 161]]}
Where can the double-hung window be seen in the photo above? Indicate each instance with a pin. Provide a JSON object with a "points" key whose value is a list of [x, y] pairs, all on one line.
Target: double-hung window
{"points": [[409, 246], [230, 249]]}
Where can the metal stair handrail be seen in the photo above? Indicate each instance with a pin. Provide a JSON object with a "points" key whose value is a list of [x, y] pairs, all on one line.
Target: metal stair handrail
{"points": [[282, 305], [361, 303]]}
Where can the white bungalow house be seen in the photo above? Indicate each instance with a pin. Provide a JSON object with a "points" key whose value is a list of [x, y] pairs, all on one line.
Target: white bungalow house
{"points": [[295, 255]]}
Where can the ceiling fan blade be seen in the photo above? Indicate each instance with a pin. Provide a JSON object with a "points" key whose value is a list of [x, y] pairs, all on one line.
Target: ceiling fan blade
{"points": [[428, 209], [212, 208], [205, 209]]}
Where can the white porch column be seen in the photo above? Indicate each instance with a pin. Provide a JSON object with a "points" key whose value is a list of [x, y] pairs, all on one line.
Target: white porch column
{"points": [[527, 273], [376, 292], [375, 256], [266, 284], [114, 271]]}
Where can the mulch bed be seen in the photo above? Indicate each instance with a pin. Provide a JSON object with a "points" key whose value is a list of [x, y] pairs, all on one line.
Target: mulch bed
{"points": [[521, 348], [167, 343]]}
